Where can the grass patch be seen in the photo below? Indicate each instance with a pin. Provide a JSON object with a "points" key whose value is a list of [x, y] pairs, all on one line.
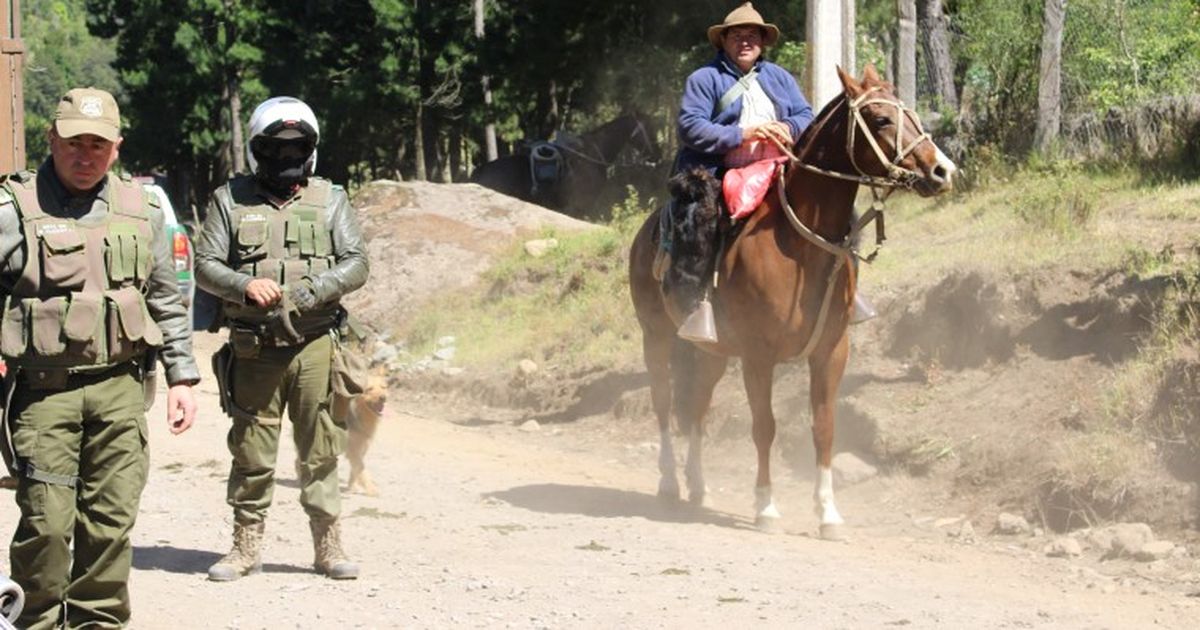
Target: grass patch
{"points": [[370, 512], [1028, 220], [505, 529], [569, 306]]}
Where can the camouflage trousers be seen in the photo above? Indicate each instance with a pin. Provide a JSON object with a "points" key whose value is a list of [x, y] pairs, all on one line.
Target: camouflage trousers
{"points": [[87, 444], [295, 379]]}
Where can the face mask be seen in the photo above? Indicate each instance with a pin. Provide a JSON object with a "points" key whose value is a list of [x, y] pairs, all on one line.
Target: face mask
{"points": [[282, 164]]}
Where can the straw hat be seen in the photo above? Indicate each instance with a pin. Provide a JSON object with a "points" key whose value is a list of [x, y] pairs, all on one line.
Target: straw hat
{"points": [[744, 15]]}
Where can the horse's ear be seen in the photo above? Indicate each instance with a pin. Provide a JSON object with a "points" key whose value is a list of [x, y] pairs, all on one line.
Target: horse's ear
{"points": [[870, 74], [849, 83]]}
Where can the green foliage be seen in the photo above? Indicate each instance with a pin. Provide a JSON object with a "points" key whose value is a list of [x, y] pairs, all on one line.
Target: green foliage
{"points": [[1063, 209], [1117, 52], [61, 54]]}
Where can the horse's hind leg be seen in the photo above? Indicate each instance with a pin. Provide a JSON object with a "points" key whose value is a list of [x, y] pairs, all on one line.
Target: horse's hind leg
{"points": [[825, 375], [695, 373], [656, 349], [758, 375]]}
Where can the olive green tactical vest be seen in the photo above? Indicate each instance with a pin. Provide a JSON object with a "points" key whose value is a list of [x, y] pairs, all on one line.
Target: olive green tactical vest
{"points": [[80, 301], [284, 244]]}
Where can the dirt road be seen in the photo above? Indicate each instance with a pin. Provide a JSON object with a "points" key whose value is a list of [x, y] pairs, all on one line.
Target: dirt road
{"points": [[482, 524]]}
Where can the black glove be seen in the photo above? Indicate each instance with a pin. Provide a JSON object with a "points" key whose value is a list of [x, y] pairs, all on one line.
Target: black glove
{"points": [[303, 296]]}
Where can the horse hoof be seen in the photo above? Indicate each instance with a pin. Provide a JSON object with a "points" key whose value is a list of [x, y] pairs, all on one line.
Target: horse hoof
{"points": [[696, 499], [668, 493], [832, 532], [768, 524]]}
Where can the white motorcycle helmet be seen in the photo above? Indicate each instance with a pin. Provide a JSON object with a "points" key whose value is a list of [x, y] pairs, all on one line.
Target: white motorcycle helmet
{"points": [[281, 118]]}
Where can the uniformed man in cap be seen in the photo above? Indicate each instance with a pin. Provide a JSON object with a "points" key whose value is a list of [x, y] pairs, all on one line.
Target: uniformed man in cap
{"points": [[89, 294], [280, 247]]}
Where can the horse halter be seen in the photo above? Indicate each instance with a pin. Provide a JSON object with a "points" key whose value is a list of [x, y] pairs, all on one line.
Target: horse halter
{"points": [[897, 175], [647, 144]]}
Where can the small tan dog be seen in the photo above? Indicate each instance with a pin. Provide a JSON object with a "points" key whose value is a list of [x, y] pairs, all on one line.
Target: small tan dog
{"points": [[362, 414]]}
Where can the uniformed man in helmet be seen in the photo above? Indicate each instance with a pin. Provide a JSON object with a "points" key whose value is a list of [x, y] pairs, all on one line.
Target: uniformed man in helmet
{"points": [[89, 294], [280, 247]]}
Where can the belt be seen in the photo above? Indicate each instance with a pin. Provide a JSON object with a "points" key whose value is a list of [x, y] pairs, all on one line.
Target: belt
{"points": [[69, 378]]}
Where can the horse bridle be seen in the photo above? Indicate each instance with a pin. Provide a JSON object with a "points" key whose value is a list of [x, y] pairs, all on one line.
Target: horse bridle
{"points": [[898, 176], [639, 129]]}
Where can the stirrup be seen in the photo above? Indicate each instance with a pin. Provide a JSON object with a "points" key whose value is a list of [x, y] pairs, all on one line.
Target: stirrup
{"points": [[700, 326], [863, 309]]}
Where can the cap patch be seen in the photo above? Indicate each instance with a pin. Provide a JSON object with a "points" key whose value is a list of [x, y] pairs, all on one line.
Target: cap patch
{"points": [[91, 106]]}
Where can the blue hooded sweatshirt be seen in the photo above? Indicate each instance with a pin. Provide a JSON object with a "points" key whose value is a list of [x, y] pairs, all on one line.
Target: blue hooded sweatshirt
{"points": [[706, 135]]}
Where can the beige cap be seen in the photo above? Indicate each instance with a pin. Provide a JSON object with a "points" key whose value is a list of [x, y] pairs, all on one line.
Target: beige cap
{"points": [[88, 110], [744, 15]]}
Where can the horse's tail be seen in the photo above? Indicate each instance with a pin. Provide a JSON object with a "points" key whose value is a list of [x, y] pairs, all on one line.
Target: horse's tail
{"points": [[695, 215]]}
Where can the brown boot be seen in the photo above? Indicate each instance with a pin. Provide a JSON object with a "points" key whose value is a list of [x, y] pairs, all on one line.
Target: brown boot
{"points": [[327, 548], [244, 558]]}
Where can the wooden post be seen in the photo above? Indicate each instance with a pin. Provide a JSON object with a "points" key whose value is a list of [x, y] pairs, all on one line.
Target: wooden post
{"points": [[12, 96], [824, 35]]}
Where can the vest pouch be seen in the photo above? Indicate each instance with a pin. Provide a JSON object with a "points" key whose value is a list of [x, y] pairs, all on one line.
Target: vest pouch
{"points": [[318, 266], [153, 334], [294, 271], [13, 331], [64, 259], [270, 268], [125, 322], [83, 325], [46, 326], [121, 254], [252, 237]]}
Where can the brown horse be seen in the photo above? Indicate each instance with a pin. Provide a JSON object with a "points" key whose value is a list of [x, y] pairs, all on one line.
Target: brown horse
{"points": [[587, 160], [786, 287]]}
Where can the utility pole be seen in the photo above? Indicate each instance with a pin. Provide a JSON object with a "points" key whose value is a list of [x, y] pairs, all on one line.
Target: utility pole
{"points": [[824, 34], [12, 96]]}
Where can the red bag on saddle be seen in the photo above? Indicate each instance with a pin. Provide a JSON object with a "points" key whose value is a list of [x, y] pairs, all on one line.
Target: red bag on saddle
{"points": [[746, 187]]}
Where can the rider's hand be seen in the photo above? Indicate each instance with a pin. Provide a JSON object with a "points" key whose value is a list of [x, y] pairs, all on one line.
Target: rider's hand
{"points": [[264, 292], [778, 130]]}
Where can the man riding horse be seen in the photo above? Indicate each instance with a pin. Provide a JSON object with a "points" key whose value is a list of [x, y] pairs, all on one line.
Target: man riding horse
{"points": [[737, 110]]}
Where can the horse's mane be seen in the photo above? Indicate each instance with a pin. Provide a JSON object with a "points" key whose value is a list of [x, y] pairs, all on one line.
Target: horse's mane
{"points": [[823, 118]]}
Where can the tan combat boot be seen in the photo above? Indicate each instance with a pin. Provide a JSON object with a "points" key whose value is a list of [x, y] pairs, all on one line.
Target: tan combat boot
{"points": [[327, 547], [244, 558]]}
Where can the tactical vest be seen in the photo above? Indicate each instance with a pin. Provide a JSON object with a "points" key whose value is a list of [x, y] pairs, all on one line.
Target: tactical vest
{"points": [[283, 244], [80, 301]]}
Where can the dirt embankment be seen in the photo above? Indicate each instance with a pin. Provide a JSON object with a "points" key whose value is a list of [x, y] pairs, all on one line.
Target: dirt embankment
{"points": [[426, 238], [991, 389]]}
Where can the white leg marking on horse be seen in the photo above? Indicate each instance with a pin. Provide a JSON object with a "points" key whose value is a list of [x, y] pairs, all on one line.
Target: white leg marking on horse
{"points": [[668, 485], [823, 497], [764, 504], [695, 467]]}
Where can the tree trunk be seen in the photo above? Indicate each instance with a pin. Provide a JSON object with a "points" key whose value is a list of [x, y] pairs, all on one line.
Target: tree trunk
{"points": [[237, 145], [1050, 76], [455, 172], [489, 128], [906, 51], [419, 142], [935, 42], [849, 40], [422, 89]]}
